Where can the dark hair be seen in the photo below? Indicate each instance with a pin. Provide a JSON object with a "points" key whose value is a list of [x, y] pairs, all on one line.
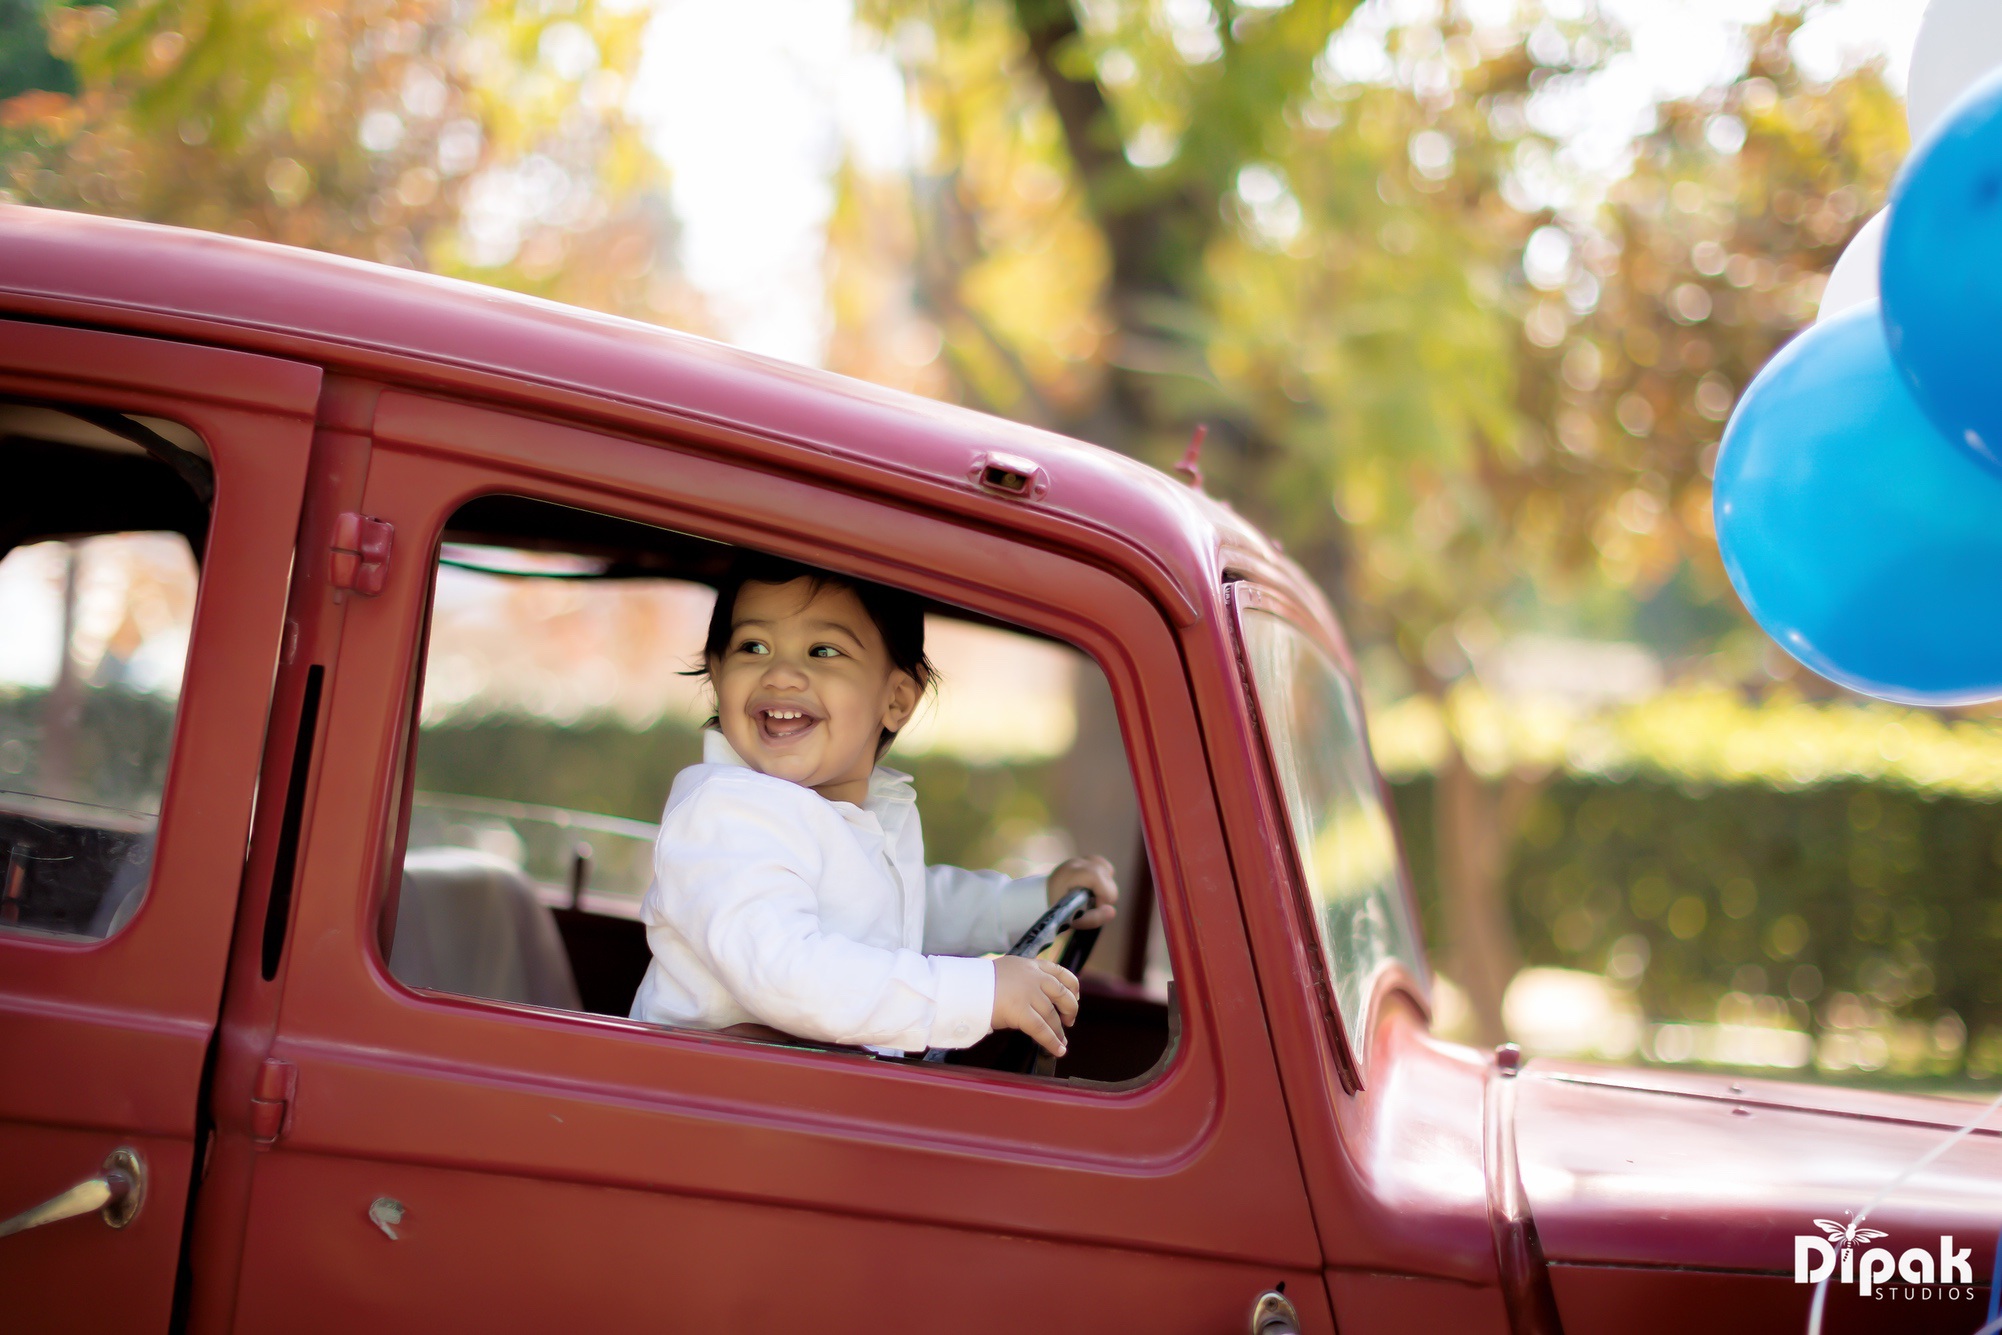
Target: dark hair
{"points": [[899, 616]]}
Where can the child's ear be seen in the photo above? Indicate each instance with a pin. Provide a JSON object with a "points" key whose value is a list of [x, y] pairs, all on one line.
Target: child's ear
{"points": [[904, 696]]}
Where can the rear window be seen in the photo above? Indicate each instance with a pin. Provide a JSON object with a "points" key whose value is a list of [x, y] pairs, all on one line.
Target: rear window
{"points": [[100, 523], [1346, 845]]}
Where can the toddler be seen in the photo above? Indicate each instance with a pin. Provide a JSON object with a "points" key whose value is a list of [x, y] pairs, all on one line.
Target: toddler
{"points": [[790, 888]]}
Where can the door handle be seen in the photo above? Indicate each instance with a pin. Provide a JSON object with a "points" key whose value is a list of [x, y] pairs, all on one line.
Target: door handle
{"points": [[116, 1194], [1272, 1314]]}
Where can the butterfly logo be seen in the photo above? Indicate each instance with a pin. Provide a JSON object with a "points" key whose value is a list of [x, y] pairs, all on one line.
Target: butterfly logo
{"points": [[1848, 1235]]}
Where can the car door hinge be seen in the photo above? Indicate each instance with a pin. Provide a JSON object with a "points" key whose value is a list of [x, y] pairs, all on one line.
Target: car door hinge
{"points": [[361, 553], [271, 1100]]}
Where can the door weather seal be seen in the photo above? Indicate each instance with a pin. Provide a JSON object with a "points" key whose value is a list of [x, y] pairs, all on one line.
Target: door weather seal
{"points": [[278, 909]]}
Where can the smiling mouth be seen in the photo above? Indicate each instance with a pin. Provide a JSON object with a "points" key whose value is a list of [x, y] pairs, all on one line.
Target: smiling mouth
{"points": [[778, 723]]}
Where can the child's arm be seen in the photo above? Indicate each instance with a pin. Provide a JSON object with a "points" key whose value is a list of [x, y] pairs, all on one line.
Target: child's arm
{"points": [[734, 880], [975, 912], [978, 912]]}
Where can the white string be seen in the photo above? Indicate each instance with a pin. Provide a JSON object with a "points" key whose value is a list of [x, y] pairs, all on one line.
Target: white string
{"points": [[1820, 1300], [1821, 1287]]}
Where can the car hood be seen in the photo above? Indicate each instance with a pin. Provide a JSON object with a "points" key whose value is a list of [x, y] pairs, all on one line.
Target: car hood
{"points": [[1662, 1168]]}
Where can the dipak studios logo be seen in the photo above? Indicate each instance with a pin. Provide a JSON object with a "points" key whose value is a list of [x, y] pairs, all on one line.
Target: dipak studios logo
{"points": [[1846, 1256]]}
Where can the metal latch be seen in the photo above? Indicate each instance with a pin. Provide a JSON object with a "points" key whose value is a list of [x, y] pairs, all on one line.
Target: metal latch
{"points": [[361, 553], [271, 1100]]}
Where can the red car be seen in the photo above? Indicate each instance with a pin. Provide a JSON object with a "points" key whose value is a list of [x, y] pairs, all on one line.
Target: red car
{"points": [[229, 1103]]}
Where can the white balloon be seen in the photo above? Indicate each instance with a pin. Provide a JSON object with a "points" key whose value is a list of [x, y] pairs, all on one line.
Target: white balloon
{"points": [[1958, 42], [1853, 280]]}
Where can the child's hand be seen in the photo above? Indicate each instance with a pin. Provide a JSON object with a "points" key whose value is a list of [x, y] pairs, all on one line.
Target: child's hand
{"points": [[1036, 997], [1095, 875]]}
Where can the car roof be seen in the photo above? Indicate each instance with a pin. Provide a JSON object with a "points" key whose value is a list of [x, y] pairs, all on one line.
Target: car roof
{"points": [[463, 338]]}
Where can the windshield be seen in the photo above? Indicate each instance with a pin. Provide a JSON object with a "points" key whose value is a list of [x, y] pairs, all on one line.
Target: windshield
{"points": [[1346, 846]]}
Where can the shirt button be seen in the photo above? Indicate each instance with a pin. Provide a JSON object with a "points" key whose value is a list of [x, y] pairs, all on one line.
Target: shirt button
{"points": [[959, 1030]]}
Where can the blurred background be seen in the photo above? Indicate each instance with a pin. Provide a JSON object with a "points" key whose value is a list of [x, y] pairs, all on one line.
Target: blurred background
{"points": [[1464, 291]]}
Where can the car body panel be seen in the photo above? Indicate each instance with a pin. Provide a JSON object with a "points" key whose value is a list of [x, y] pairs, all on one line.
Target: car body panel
{"points": [[103, 1041], [734, 1142], [1632, 1174], [507, 349]]}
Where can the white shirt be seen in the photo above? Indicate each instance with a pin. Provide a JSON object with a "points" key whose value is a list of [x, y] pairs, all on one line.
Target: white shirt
{"points": [[770, 903]]}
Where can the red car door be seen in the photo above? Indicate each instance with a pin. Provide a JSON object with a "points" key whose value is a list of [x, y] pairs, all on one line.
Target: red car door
{"points": [[441, 1162], [107, 1008]]}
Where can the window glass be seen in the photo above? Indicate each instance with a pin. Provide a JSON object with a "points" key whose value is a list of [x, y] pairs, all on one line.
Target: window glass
{"points": [[1344, 838], [558, 705], [97, 599]]}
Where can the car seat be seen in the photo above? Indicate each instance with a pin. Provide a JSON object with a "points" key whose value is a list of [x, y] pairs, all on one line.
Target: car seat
{"points": [[470, 922]]}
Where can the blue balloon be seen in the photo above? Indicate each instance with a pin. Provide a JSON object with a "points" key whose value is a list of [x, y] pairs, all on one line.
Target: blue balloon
{"points": [[1861, 541], [1942, 285]]}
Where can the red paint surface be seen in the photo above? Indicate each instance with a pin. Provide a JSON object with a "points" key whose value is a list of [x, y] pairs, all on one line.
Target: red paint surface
{"points": [[560, 1170], [101, 1043]]}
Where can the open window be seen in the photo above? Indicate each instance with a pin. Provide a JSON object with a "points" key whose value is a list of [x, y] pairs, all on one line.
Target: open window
{"points": [[555, 708], [102, 522]]}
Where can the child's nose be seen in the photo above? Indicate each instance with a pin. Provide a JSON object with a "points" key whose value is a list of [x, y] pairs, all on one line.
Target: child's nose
{"points": [[785, 672]]}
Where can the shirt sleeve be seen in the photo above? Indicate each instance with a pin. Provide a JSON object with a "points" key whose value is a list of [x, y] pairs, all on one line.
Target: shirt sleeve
{"points": [[977, 912], [734, 878]]}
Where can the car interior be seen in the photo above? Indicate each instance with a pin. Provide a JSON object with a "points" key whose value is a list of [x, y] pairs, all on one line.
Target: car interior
{"points": [[557, 702], [102, 523]]}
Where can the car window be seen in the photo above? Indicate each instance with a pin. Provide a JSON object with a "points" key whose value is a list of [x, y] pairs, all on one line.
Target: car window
{"points": [[1343, 836], [558, 704], [96, 606]]}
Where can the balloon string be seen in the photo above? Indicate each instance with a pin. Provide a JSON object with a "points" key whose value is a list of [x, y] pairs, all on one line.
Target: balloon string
{"points": [[1820, 1301], [1821, 1287], [1995, 1290]]}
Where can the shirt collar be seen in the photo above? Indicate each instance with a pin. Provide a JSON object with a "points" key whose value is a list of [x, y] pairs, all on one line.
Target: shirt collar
{"points": [[888, 788]]}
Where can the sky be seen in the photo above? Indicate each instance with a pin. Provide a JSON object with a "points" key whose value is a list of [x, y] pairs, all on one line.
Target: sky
{"points": [[753, 140]]}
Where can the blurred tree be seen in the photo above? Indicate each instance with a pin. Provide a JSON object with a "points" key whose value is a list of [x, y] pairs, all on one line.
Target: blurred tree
{"points": [[1708, 255], [26, 63], [1179, 213], [1445, 376], [1640, 323], [480, 139], [1647, 318]]}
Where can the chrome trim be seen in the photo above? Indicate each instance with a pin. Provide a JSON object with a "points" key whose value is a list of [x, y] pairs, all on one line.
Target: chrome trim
{"points": [[1525, 1276], [116, 1195]]}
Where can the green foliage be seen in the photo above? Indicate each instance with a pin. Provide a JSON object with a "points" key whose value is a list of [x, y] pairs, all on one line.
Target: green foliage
{"points": [[483, 139], [603, 767], [974, 815], [26, 63], [114, 749], [1706, 257], [1854, 906], [1362, 318], [1472, 397]]}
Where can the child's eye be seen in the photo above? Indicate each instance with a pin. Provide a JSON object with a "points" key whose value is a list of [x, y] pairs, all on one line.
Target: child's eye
{"points": [[825, 651], [753, 647]]}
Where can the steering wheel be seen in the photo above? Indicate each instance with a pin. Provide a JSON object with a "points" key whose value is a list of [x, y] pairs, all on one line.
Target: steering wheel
{"points": [[1020, 1053]]}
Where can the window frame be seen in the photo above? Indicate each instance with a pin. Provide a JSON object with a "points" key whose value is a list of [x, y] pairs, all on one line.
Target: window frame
{"points": [[255, 435], [1391, 974], [507, 475], [397, 828]]}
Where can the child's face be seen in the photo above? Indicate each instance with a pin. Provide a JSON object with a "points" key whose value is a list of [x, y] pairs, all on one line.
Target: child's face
{"points": [[806, 687]]}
